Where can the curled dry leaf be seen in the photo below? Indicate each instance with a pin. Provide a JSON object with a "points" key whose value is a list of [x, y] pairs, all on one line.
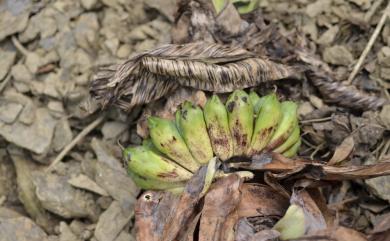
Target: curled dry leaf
{"points": [[151, 212], [283, 167], [221, 200], [206, 66], [342, 151]]}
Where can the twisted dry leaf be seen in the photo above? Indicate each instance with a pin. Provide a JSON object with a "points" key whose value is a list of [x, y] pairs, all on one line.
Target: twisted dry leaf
{"points": [[200, 65]]}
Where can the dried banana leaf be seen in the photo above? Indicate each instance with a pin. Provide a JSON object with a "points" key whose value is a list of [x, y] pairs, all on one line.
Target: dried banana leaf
{"points": [[200, 65]]}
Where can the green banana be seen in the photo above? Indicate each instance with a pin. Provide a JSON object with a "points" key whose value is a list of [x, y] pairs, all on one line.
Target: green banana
{"points": [[256, 101], [240, 116], [217, 123], [293, 150], [146, 163], [167, 139], [266, 122], [291, 140], [153, 184], [192, 126], [286, 124], [292, 224]]}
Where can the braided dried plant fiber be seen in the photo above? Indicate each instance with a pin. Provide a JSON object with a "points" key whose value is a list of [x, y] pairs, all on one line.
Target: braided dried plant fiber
{"points": [[344, 95], [200, 65]]}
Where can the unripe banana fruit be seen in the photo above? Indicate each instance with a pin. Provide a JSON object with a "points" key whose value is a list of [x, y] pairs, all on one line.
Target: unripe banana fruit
{"points": [[244, 126], [192, 126], [266, 122], [240, 116], [217, 123], [167, 139]]}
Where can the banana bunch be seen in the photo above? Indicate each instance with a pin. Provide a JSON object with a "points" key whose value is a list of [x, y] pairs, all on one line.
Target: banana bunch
{"points": [[245, 125]]}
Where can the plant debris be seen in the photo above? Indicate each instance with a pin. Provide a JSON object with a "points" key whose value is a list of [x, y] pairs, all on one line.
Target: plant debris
{"points": [[321, 51]]}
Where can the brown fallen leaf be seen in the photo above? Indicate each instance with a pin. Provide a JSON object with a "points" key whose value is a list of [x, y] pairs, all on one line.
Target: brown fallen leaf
{"points": [[151, 212], [342, 151], [282, 167], [338, 233], [221, 200], [180, 214], [261, 200]]}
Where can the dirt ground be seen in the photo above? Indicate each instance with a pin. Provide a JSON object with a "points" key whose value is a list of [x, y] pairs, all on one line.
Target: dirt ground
{"points": [[49, 52]]}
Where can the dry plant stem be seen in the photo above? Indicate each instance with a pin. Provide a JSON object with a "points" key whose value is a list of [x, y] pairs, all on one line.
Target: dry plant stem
{"points": [[369, 44], [78, 138], [19, 46], [372, 10], [5, 82]]}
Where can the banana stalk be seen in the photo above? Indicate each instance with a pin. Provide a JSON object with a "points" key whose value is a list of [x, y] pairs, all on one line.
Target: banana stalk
{"points": [[266, 122], [167, 139], [217, 123], [240, 116], [192, 126]]}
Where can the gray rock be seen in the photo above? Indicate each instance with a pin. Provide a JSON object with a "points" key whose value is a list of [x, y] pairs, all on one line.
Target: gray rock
{"points": [[112, 129], [338, 55], [7, 58], [25, 169], [9, 111], [117, 184], [36, 137], [84, 182], [89, 4], [380, 186], [86, 31], [12, 23], [125, 236], [20, 229], [66, 233], [33, 61], [8, 189], [20, 73], [104, 155], [62, 135], [111, 222], [59, 197]]}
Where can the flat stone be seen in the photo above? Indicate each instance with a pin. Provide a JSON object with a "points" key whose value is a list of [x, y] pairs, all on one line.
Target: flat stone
{"points": [[112, 129], [66, 233], [9, 111], [111, 222], [12, 23], [125, 236], [89, 4], [20, 73], [118, 184], [84, 182], [36, 137], [338, 55], [7, 58], [25, 174], [62, 135], [59, 197], [380, 186], [104, 155], [20, 229]]}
